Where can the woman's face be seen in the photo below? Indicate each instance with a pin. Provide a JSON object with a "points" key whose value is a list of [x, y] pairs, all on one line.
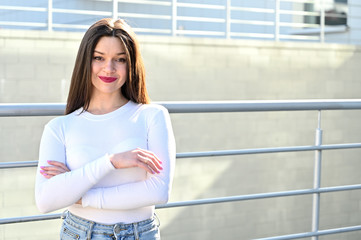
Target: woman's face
{"points": [[109, 66]]}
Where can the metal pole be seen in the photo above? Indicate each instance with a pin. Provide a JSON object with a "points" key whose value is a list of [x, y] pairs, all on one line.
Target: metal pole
{"points": [[322, 22], [115, 9], [277, 20], [317, 180], [228, 19], [50, 15], [174, 18]]}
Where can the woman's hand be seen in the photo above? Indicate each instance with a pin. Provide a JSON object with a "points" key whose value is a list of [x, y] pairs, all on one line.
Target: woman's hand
{"points": [[137, 158], [54, 169]]}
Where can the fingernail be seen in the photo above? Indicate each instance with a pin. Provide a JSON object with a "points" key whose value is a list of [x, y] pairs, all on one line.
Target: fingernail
{"points": [[42, 167], [48, 161], [42, 171]]}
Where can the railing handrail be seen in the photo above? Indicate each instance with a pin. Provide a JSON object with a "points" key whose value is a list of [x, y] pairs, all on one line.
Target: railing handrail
{"points": [[173, 17], [219, 153], [237, 198], [54, 109]]}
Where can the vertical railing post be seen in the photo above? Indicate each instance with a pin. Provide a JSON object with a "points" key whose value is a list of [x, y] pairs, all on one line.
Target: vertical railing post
{"points": [[277, 20], [317, 179], [50, 15], [228, 19], [115, 9], [174, 18], [322, 21]]}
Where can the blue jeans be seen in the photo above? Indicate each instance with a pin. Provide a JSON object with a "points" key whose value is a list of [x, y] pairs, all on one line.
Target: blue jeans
{"points": [[75, 227]]}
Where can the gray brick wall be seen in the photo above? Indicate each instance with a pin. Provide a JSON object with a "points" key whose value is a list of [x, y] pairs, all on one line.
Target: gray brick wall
{"points": [[36, 67]]}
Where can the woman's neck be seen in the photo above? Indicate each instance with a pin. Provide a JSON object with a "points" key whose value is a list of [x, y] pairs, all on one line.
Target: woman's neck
{"points": [[102, 104]]}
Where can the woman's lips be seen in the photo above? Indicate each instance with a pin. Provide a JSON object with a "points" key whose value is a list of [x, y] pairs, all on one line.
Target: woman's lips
{"points": [[107, 79]]}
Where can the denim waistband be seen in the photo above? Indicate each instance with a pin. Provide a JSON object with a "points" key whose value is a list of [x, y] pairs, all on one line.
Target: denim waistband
{"points": [[118, 229]]}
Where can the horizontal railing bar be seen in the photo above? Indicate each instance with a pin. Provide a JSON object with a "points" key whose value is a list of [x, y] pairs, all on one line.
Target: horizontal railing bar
{"points": [[55, 109], [16, 8], [221, 153], [205, 201], [159, 3], [299, 1], [142, 15], [259, 196], [83, 12], [74, 26], [200, 19], [22, 164], [32, 109], [267, 150], [203, 6], [148, 30], [26, 24], [260, 106], [251, 22], [301, 13], [306, 13], [30, 218], [259, 10], [312, 234]]}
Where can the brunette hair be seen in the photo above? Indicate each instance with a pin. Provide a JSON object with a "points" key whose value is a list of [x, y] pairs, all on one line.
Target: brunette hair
{"points": [[134, 88]]}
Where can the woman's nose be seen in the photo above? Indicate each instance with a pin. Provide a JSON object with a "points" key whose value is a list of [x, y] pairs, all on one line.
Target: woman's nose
{"points": [[109, 66]]}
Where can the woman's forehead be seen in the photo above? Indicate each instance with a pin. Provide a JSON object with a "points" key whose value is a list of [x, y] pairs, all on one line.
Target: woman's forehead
{"points": [[109, 45]]}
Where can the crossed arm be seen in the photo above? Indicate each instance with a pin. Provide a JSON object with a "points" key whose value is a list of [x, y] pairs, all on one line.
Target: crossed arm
{"points": [[134, 158], [57, 187]]}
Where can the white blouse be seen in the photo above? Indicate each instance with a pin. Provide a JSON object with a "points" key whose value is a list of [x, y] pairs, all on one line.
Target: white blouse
{"points": [[83, 142]]}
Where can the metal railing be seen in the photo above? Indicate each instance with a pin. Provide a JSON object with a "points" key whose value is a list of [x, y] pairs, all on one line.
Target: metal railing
{"points": [[228, 21], [22, 110]]}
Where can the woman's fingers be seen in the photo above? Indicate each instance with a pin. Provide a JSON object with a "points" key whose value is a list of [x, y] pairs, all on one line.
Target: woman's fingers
{"points": [[150, 163], [54, 169], [59, 164], [137, 158], [149, 159], [50, 173], [154, 158]]}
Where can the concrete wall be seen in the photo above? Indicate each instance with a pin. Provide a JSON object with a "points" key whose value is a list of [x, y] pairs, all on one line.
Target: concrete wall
{"points": [[36, 67]]}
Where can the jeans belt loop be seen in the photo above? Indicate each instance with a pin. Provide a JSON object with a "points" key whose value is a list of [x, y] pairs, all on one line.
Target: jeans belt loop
{"points": [[89, 234], [116, 231], [135, 229]]}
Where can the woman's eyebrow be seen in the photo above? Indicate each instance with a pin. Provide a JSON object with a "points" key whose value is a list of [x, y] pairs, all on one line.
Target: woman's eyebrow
{"points": [[121, 53]]}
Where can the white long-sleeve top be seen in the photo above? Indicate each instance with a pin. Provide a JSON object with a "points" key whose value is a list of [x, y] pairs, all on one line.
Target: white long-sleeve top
{"points": [[83, 142]]}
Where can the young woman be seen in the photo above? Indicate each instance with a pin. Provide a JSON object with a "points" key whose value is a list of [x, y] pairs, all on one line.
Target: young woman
{"points": [[111, 158]]}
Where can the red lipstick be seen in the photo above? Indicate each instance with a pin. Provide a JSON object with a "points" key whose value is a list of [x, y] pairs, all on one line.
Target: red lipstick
{"points": [[107, 79]]}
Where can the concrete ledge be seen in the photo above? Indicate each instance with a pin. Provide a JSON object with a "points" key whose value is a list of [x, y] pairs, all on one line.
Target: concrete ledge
{"points": [[192, 41]]}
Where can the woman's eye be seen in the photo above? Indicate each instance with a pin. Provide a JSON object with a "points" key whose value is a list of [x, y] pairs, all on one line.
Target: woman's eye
{"points": [[97, 58], [122, 60]]}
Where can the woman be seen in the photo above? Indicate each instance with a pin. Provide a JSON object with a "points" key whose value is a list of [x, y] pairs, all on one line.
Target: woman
{"points": [[111, 158]]}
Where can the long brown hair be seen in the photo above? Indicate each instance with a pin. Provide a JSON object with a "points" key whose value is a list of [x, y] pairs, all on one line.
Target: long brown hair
{"points": [[134, 88]]}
